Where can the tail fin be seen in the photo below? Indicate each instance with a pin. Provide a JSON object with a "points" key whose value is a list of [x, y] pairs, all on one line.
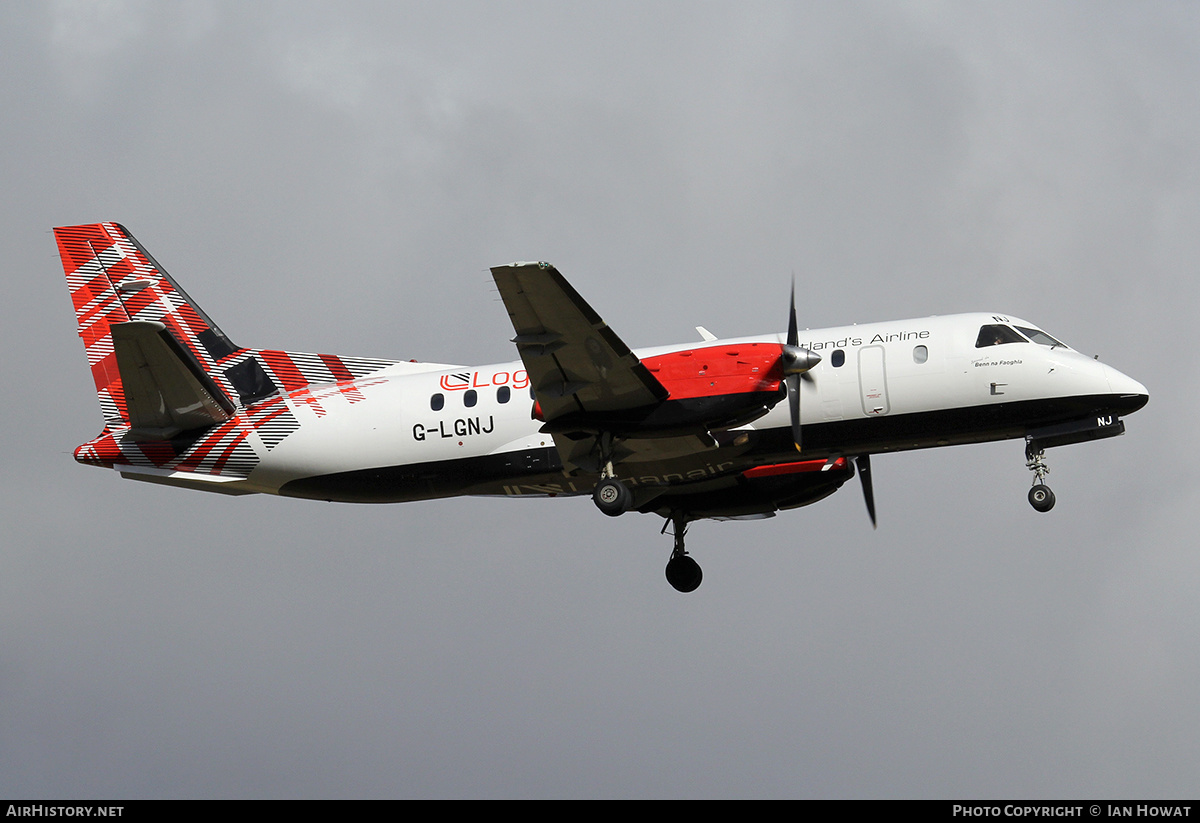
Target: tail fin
{"points": [[174, 390], [114, 281]]}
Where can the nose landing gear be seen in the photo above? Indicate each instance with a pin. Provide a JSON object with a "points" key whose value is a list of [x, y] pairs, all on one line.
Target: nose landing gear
{"points": [[1040, 496]]}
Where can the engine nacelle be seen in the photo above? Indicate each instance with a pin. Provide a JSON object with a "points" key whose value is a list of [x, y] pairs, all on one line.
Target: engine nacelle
{"points": [[762, 490]]}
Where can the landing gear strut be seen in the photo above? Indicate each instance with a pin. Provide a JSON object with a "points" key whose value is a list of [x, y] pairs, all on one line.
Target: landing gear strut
{"points": [[1040, 496], [683, 573], [611, 496]]}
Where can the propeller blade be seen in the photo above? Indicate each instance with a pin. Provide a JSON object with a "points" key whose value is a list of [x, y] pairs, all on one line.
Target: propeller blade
{"points": [[793, 392], [796, 363], [793, 338], [863, 461]]}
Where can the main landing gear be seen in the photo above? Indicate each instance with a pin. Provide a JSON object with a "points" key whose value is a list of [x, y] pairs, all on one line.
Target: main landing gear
{"points": [[1040, 496], [683, 573], [611, 496]]}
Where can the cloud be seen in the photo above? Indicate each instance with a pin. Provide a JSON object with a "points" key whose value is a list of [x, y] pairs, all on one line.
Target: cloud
{"points": [[338, 179]]}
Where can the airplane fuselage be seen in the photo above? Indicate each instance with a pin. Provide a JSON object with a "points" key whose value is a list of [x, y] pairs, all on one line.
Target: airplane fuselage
{"points": [[721, 429], [406, 433]]}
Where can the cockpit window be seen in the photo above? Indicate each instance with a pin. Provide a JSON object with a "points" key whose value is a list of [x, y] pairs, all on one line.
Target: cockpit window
{"points": [[1038, 336], [997, 335]]}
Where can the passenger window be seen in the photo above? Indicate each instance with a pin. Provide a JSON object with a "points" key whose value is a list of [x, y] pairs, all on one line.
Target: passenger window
{"points": [[838, 358], [470, 396], [996, 335], [920, 354], [502, 394], [437, 401]]}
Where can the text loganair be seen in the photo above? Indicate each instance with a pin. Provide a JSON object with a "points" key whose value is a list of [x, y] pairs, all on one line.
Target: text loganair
{"points": [[461, 381]]}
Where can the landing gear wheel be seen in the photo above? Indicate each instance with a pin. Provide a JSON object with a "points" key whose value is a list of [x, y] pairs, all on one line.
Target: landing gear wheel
{"points": [[1041, 498], [612, 497], [684, 573]]}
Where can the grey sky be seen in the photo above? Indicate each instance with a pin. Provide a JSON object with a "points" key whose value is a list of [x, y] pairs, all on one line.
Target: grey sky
{"points": [[338, 178]]}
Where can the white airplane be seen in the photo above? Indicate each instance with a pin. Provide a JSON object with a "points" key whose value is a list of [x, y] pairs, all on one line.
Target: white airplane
{"points": [[686, 432]]}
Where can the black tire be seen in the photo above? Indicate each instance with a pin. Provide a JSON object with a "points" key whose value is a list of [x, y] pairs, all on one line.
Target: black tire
{"points": [[1041, 498], [684, 573], [612, 497]]}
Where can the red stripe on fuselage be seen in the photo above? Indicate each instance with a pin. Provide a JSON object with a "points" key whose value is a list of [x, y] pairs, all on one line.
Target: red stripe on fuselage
{"points": [[284, 369], [336, 367]]}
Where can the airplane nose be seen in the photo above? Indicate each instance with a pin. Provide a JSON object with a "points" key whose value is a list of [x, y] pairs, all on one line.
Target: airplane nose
{"points": [[1129, 393]]}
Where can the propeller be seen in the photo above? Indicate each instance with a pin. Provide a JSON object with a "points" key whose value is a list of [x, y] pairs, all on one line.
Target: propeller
{"points": [[796, 363], [863, 461]]}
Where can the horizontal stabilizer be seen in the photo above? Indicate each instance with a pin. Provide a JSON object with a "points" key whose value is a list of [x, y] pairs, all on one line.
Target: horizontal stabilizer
{"points": [[220, 484], [166, 391]]}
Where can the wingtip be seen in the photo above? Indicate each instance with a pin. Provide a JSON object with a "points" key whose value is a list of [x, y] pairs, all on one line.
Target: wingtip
{"points": [[521, 264]]}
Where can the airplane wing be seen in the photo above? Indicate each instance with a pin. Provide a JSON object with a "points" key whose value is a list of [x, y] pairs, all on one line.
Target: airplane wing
{"points": [[577, 365]]}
